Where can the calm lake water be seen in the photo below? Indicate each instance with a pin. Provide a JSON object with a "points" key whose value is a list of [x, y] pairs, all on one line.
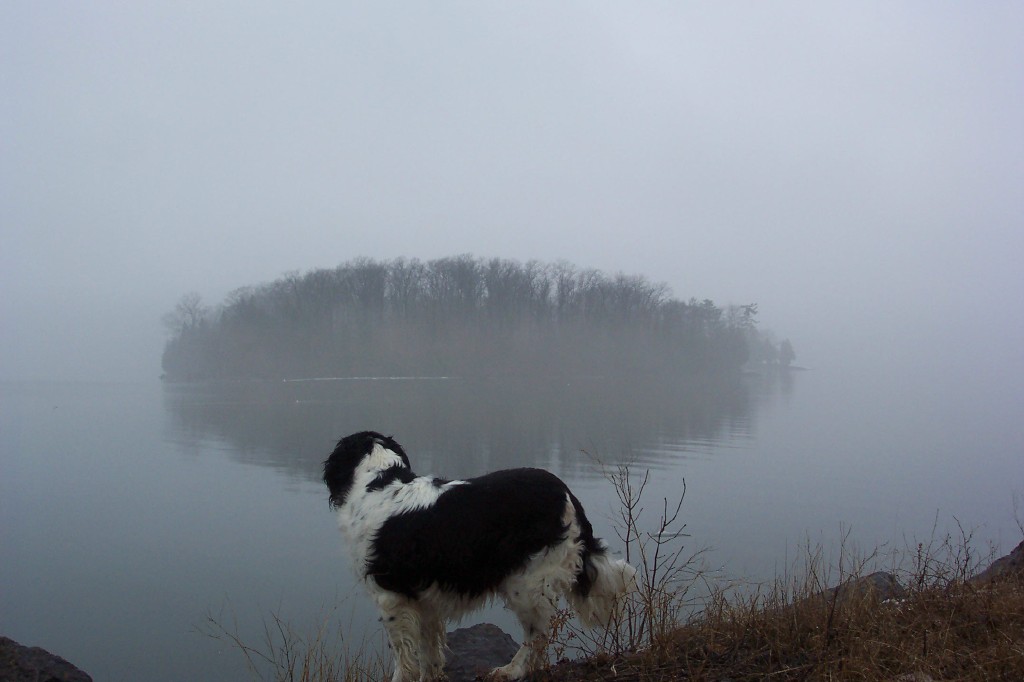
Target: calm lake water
{"points": [[132, 512]]}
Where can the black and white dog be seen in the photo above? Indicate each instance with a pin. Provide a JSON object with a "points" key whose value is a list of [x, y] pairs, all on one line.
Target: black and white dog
{"points": [[431, 550]]}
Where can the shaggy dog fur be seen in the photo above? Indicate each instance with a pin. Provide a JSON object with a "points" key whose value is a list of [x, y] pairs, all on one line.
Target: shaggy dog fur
{"points": [[431, 550]]}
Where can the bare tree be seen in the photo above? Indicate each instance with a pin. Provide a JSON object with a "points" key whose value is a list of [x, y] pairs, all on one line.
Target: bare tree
{"points": [[188, 314]]}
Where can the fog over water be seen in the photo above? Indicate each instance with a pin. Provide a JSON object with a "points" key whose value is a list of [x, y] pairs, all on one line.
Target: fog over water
{"points": [[856, 171]]}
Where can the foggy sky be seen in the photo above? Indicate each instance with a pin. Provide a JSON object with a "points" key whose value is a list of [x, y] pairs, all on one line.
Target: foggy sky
{"points": [[857, 170]]}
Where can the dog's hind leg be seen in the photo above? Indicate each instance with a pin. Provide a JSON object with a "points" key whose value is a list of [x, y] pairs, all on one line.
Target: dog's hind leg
{"points": [[534, 606], [432, 645], [402, 622]]}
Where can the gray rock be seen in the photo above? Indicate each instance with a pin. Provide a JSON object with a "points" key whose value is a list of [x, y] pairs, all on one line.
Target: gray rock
{"points": [[475, 651], [881, 584], [1011, 564], [32, 664]]}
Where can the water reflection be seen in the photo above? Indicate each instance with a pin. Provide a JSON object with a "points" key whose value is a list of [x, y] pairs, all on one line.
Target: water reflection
{"points": [[462, 427]]}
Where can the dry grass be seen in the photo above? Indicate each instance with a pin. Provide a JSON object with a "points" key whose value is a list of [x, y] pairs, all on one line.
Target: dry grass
{"points": [[958, 632], [927, 619], [290, 654]]}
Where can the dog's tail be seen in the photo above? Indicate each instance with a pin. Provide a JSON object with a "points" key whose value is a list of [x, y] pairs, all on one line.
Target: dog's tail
{"points": [[602, 582], [610, 581]]}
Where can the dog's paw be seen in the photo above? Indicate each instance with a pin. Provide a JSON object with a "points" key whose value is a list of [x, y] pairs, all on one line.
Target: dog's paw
{"points": [[506, 673]]}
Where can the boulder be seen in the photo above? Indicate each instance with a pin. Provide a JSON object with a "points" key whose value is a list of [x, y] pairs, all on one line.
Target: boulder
{"points": [[880, 584], [1010, 565], [475, 651], [32, 664]]}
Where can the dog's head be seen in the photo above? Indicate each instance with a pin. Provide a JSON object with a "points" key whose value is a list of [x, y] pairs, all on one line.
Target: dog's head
{"points": [[352, 452]]}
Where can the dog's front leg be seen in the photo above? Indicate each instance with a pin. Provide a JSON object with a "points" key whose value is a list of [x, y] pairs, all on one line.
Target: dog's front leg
{"points": [[402, 623]]}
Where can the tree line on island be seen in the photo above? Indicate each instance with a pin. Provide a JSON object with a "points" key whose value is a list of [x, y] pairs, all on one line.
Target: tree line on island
{"points": [[459, 316]]}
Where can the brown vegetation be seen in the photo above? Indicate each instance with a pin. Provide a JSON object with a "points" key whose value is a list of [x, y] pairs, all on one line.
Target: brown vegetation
{"points": [[952, 631], [933, 618]]}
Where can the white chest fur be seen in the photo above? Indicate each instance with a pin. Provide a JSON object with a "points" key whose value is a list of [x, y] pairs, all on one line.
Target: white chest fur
{"points": [[364, 512]]}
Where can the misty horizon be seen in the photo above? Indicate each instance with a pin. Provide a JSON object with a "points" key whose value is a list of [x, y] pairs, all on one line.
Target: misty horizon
{"points": [[853, 170]]}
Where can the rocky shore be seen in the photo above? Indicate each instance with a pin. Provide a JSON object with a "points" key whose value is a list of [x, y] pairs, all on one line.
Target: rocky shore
{"points": [[32, 664], [474, 650]]}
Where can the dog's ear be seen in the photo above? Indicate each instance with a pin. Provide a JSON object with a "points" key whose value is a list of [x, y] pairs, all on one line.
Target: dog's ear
{"points": [[392, 445], [340, 467]]}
